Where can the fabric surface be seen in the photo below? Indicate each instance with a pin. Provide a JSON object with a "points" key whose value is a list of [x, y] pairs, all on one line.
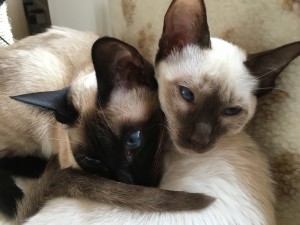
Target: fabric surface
{"points": [[5, 28], [255, 26]]}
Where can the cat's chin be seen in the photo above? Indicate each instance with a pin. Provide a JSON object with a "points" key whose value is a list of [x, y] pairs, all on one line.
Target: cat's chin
{"points": [[191, 149]]}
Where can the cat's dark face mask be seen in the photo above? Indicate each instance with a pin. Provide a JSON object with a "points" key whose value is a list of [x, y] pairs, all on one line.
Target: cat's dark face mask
{"points": [[119, 136]]}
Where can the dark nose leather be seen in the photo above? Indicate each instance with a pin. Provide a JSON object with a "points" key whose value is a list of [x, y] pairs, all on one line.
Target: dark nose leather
{"points": [[202, 133]]}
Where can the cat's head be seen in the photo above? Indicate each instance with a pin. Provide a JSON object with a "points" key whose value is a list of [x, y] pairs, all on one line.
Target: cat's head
{"points": [[208, 87], [112, 115]]}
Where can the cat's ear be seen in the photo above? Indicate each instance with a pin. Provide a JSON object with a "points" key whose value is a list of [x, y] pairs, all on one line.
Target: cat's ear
{"points": [[119, 65], [56, 101], [185, 23], [267, 65]]}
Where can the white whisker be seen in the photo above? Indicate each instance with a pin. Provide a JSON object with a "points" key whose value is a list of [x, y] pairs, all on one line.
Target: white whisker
{"points": [[75, 142], [103, 114], [157, 157], [275, 88], [271, 71]]}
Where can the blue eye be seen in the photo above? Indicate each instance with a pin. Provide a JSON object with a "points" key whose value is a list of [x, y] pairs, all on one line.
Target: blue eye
{"points": [[134, 140], [186, 94], [231, 111]]}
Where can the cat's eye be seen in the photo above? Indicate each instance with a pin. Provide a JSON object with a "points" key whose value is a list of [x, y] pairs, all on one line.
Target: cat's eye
{"points": [[231, 111], [134, 140], [186, 93]]}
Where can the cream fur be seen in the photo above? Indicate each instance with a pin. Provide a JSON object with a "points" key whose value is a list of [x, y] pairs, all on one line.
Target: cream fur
{"points": [[216, 63], [20, 130], [83, 92], [219, 69], [137, 112], [256, 26], [243, 195], [61, 67], [234, 171]]}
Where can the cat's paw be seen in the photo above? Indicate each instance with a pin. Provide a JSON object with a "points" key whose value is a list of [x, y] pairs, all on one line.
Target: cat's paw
{"points": [[10, 193]]}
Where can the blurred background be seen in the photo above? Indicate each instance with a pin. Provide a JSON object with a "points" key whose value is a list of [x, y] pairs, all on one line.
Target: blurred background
{"points": [[29, 17]]}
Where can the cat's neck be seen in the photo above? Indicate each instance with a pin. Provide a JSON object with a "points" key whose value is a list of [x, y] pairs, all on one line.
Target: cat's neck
{"points": [[181, 170]]}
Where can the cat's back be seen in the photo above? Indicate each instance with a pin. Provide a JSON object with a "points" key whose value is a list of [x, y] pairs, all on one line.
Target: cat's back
{"points": [[44, 62]]}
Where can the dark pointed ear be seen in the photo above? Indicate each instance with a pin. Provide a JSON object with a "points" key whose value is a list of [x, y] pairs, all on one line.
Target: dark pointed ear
{"points": [[119, 65], [266, 66], [56, 101], [185, 23]]}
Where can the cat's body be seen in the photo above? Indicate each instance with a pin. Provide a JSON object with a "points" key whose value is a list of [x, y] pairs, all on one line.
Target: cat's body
{"points": [[208, 90], [32, 65], [93, 103], [25, 131], [234, 172]]}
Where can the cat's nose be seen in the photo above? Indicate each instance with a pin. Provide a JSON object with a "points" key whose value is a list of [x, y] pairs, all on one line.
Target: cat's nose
{"points": [[199, 141], [202, 134]]}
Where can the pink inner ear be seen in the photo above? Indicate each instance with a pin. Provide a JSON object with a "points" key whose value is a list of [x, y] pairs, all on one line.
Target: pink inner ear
{"points": [[180, 23], [122, 57], [185, 23], [180, 18], [267, 65]]}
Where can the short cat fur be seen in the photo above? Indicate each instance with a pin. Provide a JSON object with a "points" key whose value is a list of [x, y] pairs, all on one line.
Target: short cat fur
{"points": [[225, 83], [85, 109]]}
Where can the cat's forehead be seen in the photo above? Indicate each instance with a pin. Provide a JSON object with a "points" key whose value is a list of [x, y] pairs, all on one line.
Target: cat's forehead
{"points": [[129, 108], [126, 107], [221, 67], [83, 92], [132, 104]]}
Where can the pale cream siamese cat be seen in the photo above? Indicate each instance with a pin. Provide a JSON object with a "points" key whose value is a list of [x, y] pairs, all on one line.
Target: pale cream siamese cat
{"points": [[208, 90], [98, 113]]}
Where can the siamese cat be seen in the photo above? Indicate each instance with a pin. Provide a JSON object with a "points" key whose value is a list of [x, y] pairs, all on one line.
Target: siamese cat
{"points": [[208, 90], [94, 103], [30, 167]]}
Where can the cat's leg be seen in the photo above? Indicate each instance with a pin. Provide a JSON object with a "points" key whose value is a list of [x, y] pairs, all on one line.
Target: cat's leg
{"points": [[80, 185], [10, 193], [24, 166]]}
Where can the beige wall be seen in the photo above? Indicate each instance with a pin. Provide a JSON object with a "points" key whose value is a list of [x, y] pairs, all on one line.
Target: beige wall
{"points": [[15, 12], [91, 15]]}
